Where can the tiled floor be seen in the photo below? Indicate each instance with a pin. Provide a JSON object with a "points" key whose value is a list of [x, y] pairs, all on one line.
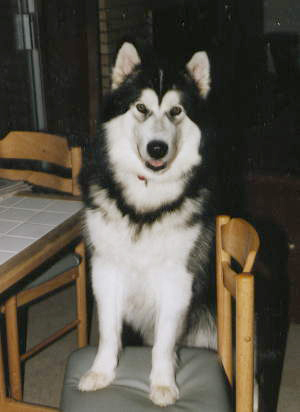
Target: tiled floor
{"points": [[289, 396], [23, 220]]}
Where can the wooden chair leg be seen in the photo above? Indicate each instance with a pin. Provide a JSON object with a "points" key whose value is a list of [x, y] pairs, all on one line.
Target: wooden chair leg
{"points": [[14, 360], [23, 330], [244, 343], [2, 376], [227, 336], [81, 297]]}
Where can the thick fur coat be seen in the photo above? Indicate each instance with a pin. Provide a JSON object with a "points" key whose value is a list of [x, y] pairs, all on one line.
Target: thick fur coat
{"points": [[147, 182]]}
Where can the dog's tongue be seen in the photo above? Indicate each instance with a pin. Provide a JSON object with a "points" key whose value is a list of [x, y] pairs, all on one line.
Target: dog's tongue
{"points": [[156, 163]]}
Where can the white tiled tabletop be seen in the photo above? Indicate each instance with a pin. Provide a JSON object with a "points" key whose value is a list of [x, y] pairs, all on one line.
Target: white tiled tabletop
{"points": [[23, 220]]}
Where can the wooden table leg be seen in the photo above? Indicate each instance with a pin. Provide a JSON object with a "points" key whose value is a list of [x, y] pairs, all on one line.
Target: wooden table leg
{"points": [[14, 360], [10, 405]]}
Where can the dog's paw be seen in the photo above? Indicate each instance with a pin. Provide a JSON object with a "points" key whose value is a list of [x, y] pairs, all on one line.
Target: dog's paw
{"points": [[93, 381], [163, 395]]}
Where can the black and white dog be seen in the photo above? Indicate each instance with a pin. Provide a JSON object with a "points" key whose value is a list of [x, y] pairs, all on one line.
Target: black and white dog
{"points": [[147, 185]]}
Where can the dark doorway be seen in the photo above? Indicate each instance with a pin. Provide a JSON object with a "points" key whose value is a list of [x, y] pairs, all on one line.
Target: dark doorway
{"points": [[44, 65]]}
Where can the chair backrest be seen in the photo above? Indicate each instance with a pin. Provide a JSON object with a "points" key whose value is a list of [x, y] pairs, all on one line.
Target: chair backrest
{"points": [[41, 159], [236, 241]]}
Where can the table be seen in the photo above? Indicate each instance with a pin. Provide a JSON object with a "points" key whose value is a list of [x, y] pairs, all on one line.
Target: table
{"points": [[32, 229]]}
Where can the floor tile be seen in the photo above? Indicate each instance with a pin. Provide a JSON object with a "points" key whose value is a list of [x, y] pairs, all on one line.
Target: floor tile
{"points": [[289, 399]]}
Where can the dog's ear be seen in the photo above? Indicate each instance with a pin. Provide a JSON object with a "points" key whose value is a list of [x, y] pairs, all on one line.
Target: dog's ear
{"points": [[127, 59], [199, 69]]}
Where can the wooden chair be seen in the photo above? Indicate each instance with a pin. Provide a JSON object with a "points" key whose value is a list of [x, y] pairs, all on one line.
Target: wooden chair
{"points": [[236, 240], [201, 379], [38, 158]]}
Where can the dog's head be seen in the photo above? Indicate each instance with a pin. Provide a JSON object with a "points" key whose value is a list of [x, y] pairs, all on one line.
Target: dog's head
{"points": [[152, 116]]}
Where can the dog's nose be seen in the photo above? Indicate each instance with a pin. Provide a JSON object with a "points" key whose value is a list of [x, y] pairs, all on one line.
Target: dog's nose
{"points": [[157, 149]]}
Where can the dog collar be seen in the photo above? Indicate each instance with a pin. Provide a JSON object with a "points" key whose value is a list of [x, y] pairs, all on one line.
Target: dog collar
{"points": [[143, 179]]}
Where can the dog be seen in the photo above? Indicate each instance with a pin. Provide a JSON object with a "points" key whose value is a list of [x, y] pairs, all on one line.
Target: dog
{"points": [[148, 187]]}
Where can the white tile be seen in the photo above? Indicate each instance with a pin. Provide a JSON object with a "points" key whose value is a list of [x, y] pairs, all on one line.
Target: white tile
{"points": [[31, 230], [5, 227], [33, 203], [11, 201], [19, 215], [5, 256], [49, 218], [14, 244], [65, 206]]}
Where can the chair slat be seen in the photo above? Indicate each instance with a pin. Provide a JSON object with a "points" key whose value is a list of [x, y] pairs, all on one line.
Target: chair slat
{"points": [[232, 233], [50, 339], [42, 179], [29, 295], [11, 405], [229, 279], [43, 147], [220, 257], [76, 157]]}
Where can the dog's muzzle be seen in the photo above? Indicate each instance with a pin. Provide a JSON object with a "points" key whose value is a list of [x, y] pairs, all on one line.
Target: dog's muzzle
{"points": [[157, 150]]}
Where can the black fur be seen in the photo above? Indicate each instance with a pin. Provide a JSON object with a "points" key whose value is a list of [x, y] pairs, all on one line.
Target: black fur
{"points": [[97, 169], [200, 182]]}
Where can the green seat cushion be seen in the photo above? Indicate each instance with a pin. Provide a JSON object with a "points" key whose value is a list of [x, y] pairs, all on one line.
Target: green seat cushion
{"points": [[61, 265], [200, 378]]}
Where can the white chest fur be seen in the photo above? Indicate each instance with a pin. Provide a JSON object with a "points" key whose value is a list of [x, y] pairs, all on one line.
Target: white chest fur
{"points": [[168, 240], [148, 264]]}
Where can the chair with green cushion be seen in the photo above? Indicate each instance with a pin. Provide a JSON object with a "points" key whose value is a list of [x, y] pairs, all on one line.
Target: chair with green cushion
{"points": [[199, 376], [48, 162], [204, 377]]}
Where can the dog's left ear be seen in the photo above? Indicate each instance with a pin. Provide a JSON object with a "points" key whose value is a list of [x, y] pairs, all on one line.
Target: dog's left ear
{"points": [[199, 69], [127, 59]]}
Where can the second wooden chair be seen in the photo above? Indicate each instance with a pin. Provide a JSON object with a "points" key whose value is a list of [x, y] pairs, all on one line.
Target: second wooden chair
{"points": [[46, 161]]}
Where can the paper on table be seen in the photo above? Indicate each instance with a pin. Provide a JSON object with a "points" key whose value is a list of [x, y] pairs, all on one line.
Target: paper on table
{"points": [[9, 187]]}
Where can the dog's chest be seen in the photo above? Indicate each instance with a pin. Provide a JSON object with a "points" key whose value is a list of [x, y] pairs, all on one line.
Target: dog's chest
{"points": [[167, 241], [150, 264]]}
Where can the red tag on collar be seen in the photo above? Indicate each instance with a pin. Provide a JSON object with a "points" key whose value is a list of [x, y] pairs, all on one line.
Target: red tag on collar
{"points": [[143, 179]]}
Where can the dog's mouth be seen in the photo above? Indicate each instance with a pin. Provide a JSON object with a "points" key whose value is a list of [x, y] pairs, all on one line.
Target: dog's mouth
{"points": [[156, 165]]}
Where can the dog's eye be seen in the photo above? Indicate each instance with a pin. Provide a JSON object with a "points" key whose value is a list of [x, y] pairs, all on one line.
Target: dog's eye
{"points": [[142, 108], [175, 111]]}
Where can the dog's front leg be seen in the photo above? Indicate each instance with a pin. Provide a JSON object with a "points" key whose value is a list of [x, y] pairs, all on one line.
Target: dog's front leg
{"points": [[107, 288], [171, 309]]}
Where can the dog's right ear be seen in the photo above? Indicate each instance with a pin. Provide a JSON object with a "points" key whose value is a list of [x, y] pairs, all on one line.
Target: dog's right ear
{"points": [[199, 69], [127, 59]]}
